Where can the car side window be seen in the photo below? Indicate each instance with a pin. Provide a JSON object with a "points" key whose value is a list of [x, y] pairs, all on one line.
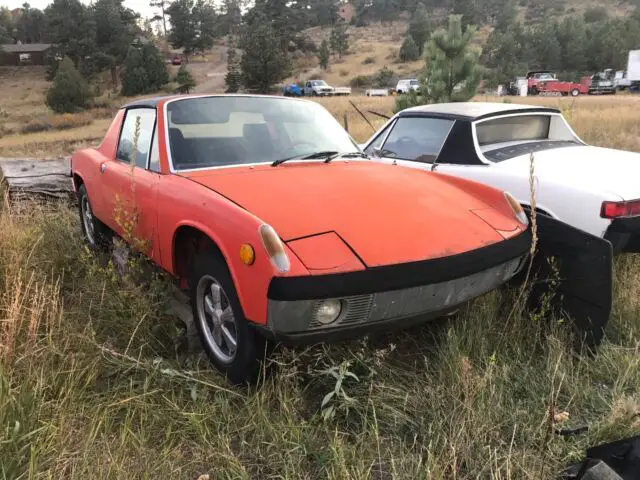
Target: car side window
{"points": [[127, 141], [154, 157], [377, 143], [417, 138]]}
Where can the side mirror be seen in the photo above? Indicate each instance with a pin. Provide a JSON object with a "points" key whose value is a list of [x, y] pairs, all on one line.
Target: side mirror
{"points": [[377, 152]]}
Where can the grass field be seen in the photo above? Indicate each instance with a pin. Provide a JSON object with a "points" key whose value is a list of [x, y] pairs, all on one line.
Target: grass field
{"points": [[94, 384]]}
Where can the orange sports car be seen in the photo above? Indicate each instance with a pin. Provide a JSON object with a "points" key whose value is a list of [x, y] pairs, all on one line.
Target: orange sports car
{"points": [[266, 211]]}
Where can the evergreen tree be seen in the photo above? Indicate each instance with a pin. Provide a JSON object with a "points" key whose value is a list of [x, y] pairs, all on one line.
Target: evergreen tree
{"points": [[6, 26], [419, 27], [467, 11], [69, 91], [185, 80], [71, 28], [264, 63], [339, 39], [144, 71], [409, 50], [114, 33], [162, 15], [233, 78], [193, 25], [31, 25], [452, 72], [325, 12], [323, 55]]}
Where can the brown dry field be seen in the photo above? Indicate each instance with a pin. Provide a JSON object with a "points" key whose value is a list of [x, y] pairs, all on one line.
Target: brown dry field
{"points": [[612, 121]]}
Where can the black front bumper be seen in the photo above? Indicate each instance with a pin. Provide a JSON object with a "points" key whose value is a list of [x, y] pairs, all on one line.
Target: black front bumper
{"points": [[389, 297], [624, 235]]}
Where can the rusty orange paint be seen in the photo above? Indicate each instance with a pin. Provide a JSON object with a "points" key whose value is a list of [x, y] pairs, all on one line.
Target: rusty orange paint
{"points": [[336, 217]]}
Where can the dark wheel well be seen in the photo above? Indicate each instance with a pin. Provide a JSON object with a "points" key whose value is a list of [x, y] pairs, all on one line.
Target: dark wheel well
{"points": [[539, 211], [187, 243], [77, 180]]}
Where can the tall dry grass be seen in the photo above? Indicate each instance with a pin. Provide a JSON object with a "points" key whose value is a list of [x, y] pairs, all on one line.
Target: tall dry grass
{"points": [[94, 384], [95, 381]]}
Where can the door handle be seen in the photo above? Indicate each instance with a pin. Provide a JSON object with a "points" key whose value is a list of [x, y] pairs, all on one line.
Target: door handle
{"points": [[103, 167]]}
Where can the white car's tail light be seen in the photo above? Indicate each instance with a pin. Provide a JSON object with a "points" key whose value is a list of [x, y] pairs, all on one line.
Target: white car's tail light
{"points": [[620, 209], [517, 208], [274, 248]]}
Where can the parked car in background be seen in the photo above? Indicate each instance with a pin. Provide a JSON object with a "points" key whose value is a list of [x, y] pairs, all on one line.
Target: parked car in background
{"points": [[292, 90], [280, 229], [376, 92], [315, 88], [176, 60], [404, 86], [592, 191]]}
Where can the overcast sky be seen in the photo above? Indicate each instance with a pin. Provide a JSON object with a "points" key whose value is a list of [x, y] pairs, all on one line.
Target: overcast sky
{"points": [[141, 6]]}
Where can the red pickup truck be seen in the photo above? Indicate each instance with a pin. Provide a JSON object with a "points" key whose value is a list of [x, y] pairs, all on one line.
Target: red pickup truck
{"points": [[546, 82]]}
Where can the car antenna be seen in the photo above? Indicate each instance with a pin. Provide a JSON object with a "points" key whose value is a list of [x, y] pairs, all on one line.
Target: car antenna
{"points": [[363, 116], [381, 115]]}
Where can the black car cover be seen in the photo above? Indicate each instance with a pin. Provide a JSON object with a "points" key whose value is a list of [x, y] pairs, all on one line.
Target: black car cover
{"points": [[579, 278]]}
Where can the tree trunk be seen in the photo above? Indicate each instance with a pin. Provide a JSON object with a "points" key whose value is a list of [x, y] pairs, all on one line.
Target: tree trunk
{"points": [[37, 179], [114, 77]]}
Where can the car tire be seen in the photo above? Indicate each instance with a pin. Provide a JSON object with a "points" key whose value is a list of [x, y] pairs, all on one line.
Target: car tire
{"points": [[575, 92], [220, 321], [96, 234]]}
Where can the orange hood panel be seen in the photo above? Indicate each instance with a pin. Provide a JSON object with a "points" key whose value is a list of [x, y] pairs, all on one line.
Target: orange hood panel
{"points": [[386, 214]]}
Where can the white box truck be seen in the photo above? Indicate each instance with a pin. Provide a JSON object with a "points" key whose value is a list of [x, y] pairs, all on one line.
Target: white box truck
{"points": [[633, 66]]}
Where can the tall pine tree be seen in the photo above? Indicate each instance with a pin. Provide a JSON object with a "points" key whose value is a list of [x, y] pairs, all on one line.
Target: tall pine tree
{"points": [[452, 72], [419, 27]]}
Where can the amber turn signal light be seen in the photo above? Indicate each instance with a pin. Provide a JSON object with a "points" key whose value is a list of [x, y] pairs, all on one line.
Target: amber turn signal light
{"points": [[247, 254]]}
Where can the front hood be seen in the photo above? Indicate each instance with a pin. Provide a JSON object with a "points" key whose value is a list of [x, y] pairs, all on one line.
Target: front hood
{"points": [[386, 214], [613, 172]]}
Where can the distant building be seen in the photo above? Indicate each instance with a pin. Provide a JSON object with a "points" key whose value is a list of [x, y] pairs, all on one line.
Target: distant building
{"points": [[24, 54], [347, 11]]}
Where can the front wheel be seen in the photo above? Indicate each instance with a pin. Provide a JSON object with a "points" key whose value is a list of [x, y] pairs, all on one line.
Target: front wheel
{"points": [[96, 234], [231, 345], [575, 92]]}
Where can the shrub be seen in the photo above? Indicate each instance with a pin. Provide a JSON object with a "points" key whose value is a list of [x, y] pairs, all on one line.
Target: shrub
{"points": [[407, 100], [361, 81], [344, 73], [185, 80], [64, 121], [409, 50], [36, 125], [69, 92], [369, 60], [144, 71], [596, 14], [383, 78]]}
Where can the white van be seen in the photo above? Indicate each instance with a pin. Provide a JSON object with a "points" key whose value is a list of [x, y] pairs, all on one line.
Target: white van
{"points": [[405, 85]]}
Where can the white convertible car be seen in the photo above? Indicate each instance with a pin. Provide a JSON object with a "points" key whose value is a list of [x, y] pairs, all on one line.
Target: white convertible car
{"points": [[593, 189]]}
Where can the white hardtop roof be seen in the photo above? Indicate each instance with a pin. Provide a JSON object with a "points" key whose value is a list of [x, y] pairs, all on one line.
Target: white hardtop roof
{"points": [[474, 109]]}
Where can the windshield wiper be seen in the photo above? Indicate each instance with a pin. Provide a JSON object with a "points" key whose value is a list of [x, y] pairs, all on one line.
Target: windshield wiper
{"points": [[311, 156], [347, 155]]}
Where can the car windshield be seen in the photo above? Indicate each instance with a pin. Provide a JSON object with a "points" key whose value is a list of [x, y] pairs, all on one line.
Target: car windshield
{"points": [[223, 131], [414, 82], [318, 83]]}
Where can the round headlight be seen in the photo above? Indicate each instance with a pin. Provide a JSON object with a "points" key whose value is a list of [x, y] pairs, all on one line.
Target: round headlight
{"points": [[328, 311]]}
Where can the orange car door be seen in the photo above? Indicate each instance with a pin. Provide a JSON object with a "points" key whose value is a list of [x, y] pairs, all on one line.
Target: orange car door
{"points": [[130, 182]]}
